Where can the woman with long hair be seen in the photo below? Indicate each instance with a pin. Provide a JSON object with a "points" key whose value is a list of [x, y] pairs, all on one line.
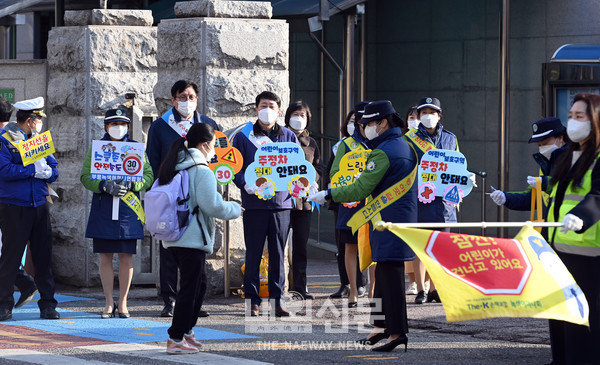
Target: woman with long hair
{"points": [[575, 201], [192, 154]]}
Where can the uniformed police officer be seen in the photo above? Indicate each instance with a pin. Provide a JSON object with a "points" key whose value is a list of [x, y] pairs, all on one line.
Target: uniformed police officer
{"points": [[24, 212]]}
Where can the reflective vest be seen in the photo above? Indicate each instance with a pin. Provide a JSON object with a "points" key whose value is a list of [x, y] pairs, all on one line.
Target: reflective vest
{"points": [[587, 243]]}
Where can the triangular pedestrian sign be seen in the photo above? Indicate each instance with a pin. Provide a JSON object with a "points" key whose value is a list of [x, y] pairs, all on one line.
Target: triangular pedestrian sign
{"points": [[229, 156]]}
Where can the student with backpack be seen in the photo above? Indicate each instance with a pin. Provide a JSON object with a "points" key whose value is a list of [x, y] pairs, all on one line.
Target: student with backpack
{"points": [[191, 154], [111, 235]]}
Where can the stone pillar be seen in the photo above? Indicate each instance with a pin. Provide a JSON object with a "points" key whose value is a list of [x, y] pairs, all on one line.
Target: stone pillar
{"points": [[233, 50], [93, 61]]}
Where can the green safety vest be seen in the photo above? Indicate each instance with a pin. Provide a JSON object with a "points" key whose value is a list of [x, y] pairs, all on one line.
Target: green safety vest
{"points": [[587, 243]]}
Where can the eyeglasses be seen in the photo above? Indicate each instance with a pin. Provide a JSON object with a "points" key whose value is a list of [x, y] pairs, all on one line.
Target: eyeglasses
{"points": [[186, 97]]}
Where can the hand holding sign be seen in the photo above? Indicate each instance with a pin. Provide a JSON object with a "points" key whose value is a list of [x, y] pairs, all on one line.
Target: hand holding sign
{"points": [[280, 166]]}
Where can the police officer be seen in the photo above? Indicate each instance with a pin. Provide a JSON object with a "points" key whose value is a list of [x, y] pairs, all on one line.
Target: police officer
{"points": [[24, 282], [548, 133], [24, 214]]}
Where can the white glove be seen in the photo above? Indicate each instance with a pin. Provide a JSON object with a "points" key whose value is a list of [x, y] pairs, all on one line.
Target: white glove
{"points": [[571, 223], [41, 164], [314, 188], [251, 189], [472, 178], [42, 170], [498, 197], [531, 181], [318, 197]]}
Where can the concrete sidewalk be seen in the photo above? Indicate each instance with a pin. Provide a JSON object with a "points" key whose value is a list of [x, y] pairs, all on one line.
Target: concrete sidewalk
{"points": [[323, 331]]}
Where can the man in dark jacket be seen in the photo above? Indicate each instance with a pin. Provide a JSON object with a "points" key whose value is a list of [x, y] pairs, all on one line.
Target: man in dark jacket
{"points": [[270, 218], [162, 133], [24, 282], [24, 214]]}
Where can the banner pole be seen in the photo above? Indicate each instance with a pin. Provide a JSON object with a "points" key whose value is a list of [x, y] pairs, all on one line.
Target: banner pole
{"points": [[381, 225]]}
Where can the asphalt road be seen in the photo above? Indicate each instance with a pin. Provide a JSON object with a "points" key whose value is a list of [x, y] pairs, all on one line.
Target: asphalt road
{"points": [[321, 331]]}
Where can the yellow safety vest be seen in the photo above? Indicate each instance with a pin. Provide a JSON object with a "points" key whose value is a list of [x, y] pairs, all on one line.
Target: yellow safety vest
{"points": [[587, 243]]}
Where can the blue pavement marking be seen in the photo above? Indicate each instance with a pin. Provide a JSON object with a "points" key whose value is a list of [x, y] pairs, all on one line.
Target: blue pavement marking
{"points": [[90, 325]]}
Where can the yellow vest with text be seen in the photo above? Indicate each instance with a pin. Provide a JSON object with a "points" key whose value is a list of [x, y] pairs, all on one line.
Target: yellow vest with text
{"points": [[587, 243]]}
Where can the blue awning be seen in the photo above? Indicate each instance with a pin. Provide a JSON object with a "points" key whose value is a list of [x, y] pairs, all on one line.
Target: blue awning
{"points": [[577, 53]]}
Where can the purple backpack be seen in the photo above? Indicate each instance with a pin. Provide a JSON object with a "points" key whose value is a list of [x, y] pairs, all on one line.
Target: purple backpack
{"points": [[167, 209]]}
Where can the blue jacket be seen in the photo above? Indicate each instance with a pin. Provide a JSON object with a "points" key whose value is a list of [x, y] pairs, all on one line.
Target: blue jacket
{"points": [[161, 136], [438, 211], [282, 199], [391, 160], [100, 222], [522, 200], [18, 185], [204, 194]]}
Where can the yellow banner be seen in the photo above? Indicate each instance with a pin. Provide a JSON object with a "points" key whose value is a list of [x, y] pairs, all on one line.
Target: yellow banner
{"points": [[134, 203], [417, 141], [390, 195], [484, 277], [35, 148]]}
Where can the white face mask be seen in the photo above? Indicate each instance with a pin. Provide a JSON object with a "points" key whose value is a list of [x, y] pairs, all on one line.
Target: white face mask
{"points": [[430, 120], [267, 116], [371, 132], [186, 108], [578, 131], [298, 123], [117, 131], [38, 127], [547, 150], [350, 128], [210, 154], [412, 124]]}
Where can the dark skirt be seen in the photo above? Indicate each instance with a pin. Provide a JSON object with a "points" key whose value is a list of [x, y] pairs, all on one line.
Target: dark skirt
{"points": [[346, 236], [102, 245]]}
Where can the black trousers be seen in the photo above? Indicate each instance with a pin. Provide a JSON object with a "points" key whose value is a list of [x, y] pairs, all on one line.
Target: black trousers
{"points": [[19, 225], [361, 280], [168, 276], [390, 312], [274, 226], [300, 225], [572, 343], [191, 263]]}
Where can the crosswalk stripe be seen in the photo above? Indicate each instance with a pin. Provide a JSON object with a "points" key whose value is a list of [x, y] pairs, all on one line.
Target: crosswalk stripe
{"points": [[38, 357], [159, 353]]}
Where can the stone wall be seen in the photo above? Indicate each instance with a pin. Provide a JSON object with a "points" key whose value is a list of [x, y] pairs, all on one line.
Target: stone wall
{"points": [[90, 69], [233, 53]]}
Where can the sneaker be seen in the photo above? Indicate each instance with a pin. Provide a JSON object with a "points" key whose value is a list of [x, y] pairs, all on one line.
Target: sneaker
{"points": [[191, 339], [180, 347], [362, 291], [412, 289], [420, 297]]}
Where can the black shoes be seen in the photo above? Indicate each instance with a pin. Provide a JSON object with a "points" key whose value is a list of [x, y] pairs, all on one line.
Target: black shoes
{"points": [[433, 296], [281, 311], [420, 297], [26, 296], [342, 292], [254, 310], [49, 313], [5, 314], [124, 315], [369, 341], [112, 314], [168, 310], [392, 345], [307, 296], [203, 313]]}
